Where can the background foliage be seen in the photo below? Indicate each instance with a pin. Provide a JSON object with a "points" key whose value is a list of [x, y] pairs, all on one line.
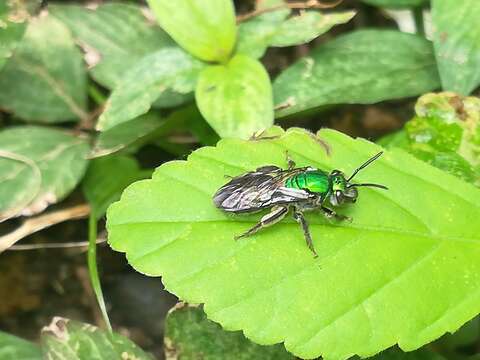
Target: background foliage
{"points": [[94, 97]]}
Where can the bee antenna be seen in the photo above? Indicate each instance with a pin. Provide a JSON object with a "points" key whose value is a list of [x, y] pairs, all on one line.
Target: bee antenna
{"points": [[370, 185], [364, 165]]}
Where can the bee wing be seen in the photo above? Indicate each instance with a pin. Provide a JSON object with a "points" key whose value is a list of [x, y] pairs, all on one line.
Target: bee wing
{"points": [[256, 190]]}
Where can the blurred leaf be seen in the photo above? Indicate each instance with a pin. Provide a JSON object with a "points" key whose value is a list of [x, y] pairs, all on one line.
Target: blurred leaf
{"points": [[467, 335], [307, 26], [114, 37], [445, 133], [14, 348], [457, 43], [236, 98], [146, 82], [254, 35], [126, 134], [206, 29], [202, 130], [38, 166], [396, 3], [271, 29], [45, 80], [107, 177], [406, 270], [365, 66], [67, 339], [396, 354], [147, 128], [12, 27], [190, 335]]}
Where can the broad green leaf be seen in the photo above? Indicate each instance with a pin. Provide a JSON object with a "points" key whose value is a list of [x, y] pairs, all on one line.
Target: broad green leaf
{"points": [[405, 270], [445, 133], [45, 80], [205, 29], [236, 98], [190, 335], [114, 37], [307, 26], [67, 339], [457, 43], [107, 177], [365, 66], [396, 3], [14, 348], [163, 72], [12, 27], [38, 166]]}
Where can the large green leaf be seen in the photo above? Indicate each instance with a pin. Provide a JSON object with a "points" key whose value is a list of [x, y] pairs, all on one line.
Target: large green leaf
{"points": [[206, 29], [396, 3], [236, 98], [406, 270], [161, 73], [365, 66], [65, 339], [190, 335], [14, 348], [38, 166], [12, 27], [114, 37], [45, 79], [457, 43]]}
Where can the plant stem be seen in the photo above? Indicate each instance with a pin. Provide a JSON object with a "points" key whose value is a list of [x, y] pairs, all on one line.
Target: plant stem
{"points": [[92, 267], [96, 95], [419, 21]]}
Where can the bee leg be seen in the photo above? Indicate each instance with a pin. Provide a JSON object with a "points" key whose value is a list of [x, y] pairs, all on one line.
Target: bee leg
{"points": [[298, 216], [329, 213], [259, 135], [290, 162], [275, 215]]}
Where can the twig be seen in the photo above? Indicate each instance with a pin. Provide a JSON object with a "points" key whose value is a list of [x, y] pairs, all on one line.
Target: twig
{"points": [[301, 5], [65, 245], [41, 222]]}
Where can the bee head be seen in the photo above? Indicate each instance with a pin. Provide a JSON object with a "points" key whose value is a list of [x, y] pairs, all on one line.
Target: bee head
{"points": [[342, 191], [345, 191]]}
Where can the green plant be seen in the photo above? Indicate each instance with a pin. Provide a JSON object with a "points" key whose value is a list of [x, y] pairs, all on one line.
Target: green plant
{"points": [[93, 99]]}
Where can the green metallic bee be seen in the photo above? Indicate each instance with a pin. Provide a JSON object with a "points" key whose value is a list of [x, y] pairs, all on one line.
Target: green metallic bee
{"points": [[301, 189]]}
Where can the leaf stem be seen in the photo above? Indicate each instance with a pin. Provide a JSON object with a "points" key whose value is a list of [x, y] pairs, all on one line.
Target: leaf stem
{"points": [[419, 21], [96, 95], [92, 267]]}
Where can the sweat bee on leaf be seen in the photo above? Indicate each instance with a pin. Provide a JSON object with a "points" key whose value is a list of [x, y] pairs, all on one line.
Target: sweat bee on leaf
{"points": [[300, 189]]}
